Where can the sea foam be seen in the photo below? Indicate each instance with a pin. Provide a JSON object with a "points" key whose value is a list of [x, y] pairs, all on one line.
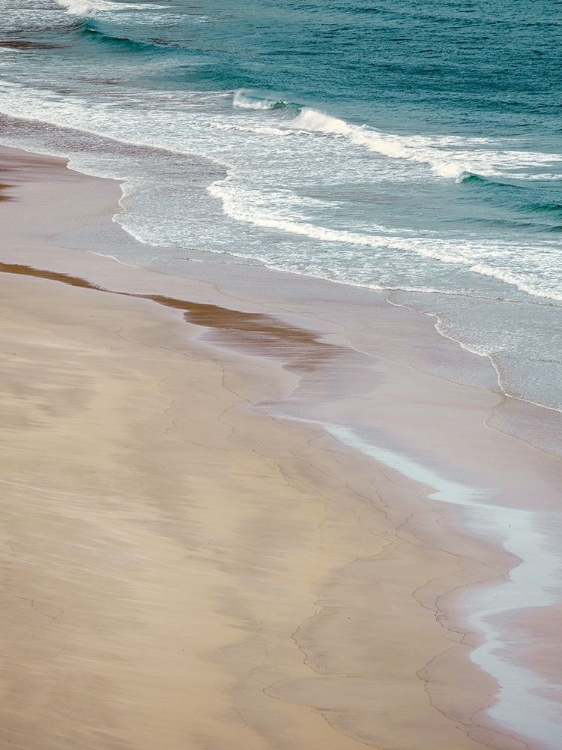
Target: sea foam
{"points": [[89, 7], [254, 207], [447, 157], [242, 100]]}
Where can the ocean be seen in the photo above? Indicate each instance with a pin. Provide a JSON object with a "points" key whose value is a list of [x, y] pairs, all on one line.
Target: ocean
{"points": [[413, 147]]}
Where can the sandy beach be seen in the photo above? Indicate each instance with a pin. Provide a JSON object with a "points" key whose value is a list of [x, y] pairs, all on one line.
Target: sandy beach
{"points": [[185, 565]]}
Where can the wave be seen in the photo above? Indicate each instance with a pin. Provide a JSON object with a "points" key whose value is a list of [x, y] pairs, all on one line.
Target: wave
{"points": [[462, 159], [515, 190], [469, 178], [259, 129], [90, 31], [244, 100], [517, 280], [395, 147], [89, 7], [257, 208], [250, 207], [555, 208], [445, 156]]}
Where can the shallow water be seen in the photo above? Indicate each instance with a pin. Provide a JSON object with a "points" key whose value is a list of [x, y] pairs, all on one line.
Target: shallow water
{"points": [[525, 701]]}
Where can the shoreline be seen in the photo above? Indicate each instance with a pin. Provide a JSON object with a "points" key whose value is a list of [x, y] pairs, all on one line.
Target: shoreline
{"points": [[266, 380], [430, 303], [537, 423]]}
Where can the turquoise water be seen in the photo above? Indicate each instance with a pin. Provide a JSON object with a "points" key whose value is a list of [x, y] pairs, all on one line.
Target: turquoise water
{"points": [[409, 146]]}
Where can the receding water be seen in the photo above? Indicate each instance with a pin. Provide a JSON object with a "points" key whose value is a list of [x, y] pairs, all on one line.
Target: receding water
{"points": [[525, 702]]}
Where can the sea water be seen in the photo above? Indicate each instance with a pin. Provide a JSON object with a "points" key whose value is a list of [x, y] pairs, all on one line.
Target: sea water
{"points": [[399, 145]]}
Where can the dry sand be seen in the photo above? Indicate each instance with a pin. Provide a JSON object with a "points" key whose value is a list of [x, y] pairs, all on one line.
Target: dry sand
{"points": [[181, 572]]}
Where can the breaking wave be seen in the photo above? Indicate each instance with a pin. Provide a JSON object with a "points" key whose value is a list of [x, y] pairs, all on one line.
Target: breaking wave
{"points": [[89, 7], [244, 100], [90, 31], [448, 157]]}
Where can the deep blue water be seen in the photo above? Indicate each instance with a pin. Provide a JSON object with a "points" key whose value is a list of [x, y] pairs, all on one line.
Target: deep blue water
{"points": [[402, 145]]}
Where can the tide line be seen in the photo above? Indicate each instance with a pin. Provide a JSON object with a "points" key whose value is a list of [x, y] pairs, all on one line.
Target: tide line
{"points": [[523, 700]]}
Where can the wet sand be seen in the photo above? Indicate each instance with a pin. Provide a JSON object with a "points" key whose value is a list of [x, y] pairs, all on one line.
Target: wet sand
{"points": [[181, 569]]}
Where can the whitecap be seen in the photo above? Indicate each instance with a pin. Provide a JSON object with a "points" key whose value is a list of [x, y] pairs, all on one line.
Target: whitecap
{"points": [[447, 157], [89, 7]]}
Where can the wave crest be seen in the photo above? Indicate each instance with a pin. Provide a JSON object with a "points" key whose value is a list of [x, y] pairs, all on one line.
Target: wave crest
{"points": [[243, 100], [448, 156], [90, 31], [393, 146], [91, 7]]}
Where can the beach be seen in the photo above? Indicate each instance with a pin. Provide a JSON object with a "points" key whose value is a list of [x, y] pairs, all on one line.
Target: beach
{"points": [[196, 554]]}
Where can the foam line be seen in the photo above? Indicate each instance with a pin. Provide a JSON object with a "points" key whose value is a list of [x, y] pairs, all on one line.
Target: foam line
{"points": [[445, 156], [89, 7]]}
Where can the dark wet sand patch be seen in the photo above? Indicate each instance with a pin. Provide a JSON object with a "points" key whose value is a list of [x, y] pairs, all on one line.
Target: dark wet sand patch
{"points": [[3, 196], [254, 333]]}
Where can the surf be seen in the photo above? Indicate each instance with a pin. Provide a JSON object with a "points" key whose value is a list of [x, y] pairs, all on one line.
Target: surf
{"points": [[92, 32], [447, 157], [90, 7]]}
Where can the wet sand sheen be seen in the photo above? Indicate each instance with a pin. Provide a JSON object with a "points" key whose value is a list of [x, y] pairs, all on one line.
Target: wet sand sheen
{"points": [[182, 572]]}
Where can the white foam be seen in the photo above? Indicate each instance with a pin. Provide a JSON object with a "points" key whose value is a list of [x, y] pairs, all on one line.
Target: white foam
{"points": [[254, 207], [280, 211], [258, 129], [532, 268], [525, 702], [450, 158], [242, 100], [539, 287], [89, 7]]}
